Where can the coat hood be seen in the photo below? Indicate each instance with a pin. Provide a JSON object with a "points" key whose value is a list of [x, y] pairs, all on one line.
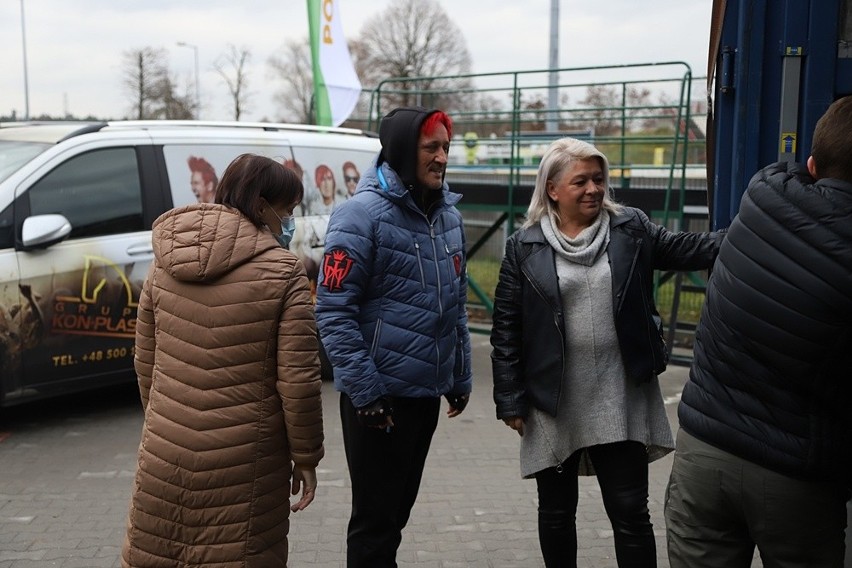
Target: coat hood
{"points": [[399, 132], [203, 241]]}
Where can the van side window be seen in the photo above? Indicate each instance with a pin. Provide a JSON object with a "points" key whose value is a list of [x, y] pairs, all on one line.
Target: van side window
{"points": [[7, 228], [98, 192]]}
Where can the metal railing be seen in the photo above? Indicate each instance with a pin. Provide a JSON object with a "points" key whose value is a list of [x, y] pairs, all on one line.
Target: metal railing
{"points": [[639, 115]]}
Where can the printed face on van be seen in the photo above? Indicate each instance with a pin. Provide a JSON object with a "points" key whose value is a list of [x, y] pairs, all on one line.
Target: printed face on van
{"points": [[351, 178], [204, 192], [326, 185]]}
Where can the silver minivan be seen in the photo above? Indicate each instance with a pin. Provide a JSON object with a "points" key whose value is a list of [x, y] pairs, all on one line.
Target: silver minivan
{"points": [[77, 201]]}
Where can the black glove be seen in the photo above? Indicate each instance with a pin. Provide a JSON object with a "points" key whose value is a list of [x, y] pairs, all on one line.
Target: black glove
{"points": [[375, 415], [458, 401]]}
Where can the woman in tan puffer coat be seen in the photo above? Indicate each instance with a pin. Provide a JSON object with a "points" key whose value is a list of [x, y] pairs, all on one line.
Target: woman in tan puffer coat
{"points": [[229, 374]]}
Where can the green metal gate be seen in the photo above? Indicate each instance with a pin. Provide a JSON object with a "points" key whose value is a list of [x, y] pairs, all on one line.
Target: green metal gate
{"points": [[639, 115]]}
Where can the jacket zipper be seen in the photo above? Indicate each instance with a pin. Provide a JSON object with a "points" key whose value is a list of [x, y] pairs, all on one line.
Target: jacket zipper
{"points": [[440, 305], [420, 266], [450, 266], [376, 333]]}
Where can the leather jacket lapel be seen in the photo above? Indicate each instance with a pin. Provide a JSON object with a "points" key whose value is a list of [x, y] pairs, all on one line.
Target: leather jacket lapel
{"points": [[538, 266]]}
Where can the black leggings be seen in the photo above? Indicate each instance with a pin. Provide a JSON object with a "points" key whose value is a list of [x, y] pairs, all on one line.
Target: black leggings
{"points": [[622, 471]]}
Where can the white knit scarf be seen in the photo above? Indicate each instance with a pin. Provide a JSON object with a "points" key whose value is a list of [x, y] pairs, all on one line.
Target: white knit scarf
{"points": [[583, 249]]}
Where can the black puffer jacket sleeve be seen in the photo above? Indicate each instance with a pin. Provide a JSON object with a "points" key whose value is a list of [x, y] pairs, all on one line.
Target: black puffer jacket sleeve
{"points": [[771, 380]]}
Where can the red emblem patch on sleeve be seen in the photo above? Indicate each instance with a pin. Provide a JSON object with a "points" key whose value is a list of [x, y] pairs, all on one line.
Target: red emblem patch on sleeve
{"points": [[336, 267], [457, 263]]}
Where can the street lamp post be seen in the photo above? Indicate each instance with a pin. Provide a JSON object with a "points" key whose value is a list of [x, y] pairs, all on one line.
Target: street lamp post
{"points": [[197, 87]]}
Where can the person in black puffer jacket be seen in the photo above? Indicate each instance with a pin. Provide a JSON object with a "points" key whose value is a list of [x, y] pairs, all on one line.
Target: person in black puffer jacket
{"points": [[764, 453]]}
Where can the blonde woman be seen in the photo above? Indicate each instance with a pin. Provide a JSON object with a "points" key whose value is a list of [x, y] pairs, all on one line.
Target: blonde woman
{"points": [[578, 346]]}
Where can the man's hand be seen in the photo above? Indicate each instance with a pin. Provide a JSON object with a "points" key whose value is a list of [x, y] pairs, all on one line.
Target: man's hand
{"points": [[516, 423], [306, 478], [379, 414], [458, 402]]}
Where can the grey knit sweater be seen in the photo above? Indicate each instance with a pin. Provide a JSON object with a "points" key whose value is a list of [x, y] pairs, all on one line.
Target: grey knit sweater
{"points": [[598, 405]]}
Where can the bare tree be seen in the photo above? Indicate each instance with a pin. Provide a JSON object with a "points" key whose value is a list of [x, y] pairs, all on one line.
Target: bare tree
{"points": [[148, 81], [416, 41], [232, 67], [169, 104], [144, 71], [370, 78], [292, 65], [600, 110], [606, 106], [491, 117]]}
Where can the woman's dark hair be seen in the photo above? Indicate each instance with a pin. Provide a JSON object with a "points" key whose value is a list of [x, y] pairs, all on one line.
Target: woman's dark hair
{"points": [[250, 177]]}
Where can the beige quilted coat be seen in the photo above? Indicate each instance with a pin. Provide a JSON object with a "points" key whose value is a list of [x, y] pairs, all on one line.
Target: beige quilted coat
{"points": [[228, 367]]}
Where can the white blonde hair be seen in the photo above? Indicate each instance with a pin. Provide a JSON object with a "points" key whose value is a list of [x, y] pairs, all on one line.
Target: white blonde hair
{"points": [[557, 159]]}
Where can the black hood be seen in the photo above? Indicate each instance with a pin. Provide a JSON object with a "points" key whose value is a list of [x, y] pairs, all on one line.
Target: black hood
{"points": [[399, 133]]}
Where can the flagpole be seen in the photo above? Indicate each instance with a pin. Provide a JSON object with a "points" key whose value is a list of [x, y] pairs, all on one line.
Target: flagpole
{"points": [[314, 29]]}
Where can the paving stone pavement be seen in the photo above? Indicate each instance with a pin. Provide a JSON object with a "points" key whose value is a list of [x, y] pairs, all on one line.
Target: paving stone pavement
{"points": [[66, 470]]}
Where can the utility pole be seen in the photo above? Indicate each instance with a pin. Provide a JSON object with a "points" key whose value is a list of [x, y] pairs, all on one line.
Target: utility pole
{"points": [[26, 80], [552, 124]]}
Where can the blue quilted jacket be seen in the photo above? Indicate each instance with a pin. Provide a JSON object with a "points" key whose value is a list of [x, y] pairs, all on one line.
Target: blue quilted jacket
{"points": [[391, 294]]}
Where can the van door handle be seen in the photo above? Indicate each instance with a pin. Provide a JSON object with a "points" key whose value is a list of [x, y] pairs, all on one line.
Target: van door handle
{"points": [[144, 248]]}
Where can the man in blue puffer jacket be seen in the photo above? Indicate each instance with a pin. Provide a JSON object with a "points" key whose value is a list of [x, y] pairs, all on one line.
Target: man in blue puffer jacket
{"points": [[764, 452], [391, 312]]}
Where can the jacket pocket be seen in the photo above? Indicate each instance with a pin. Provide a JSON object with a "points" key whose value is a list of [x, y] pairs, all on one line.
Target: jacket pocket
{"points": [[377, 335], [458, 367], [453, 269]]}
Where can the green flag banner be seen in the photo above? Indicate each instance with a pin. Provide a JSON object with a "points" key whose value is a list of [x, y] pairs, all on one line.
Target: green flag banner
{"points": [[336, 85]]}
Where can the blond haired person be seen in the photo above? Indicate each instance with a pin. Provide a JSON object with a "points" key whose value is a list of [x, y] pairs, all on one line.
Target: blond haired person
{"points": [[578, 346]]}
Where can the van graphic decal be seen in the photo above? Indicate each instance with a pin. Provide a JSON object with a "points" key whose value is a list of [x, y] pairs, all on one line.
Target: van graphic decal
{"points": [[106, 306]]}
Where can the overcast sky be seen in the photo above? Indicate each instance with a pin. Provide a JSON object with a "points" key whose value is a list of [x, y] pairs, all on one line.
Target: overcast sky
{"points": [[74, 47]]}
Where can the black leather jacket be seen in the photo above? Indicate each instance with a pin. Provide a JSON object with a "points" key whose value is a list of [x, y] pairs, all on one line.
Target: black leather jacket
{"points": [[528, 333]]}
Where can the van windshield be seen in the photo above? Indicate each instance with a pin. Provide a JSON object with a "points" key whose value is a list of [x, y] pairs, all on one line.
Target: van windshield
{"points": [[14, 154]]}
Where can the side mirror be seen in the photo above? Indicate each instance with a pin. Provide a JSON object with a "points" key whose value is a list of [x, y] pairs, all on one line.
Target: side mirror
{"points": [[42, 231]]}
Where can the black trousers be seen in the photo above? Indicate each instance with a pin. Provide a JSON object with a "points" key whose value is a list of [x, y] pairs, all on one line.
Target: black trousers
{"points": [[385, 469], [622, 471]]}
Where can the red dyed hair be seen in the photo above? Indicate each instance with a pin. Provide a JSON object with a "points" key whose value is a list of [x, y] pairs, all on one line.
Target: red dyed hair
{"points": [[320, 172], [202, 166], [294, 165], [433, 120]]}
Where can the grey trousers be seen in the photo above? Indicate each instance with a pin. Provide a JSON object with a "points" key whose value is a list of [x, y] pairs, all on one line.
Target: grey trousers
{"points": [[718, 507]]}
